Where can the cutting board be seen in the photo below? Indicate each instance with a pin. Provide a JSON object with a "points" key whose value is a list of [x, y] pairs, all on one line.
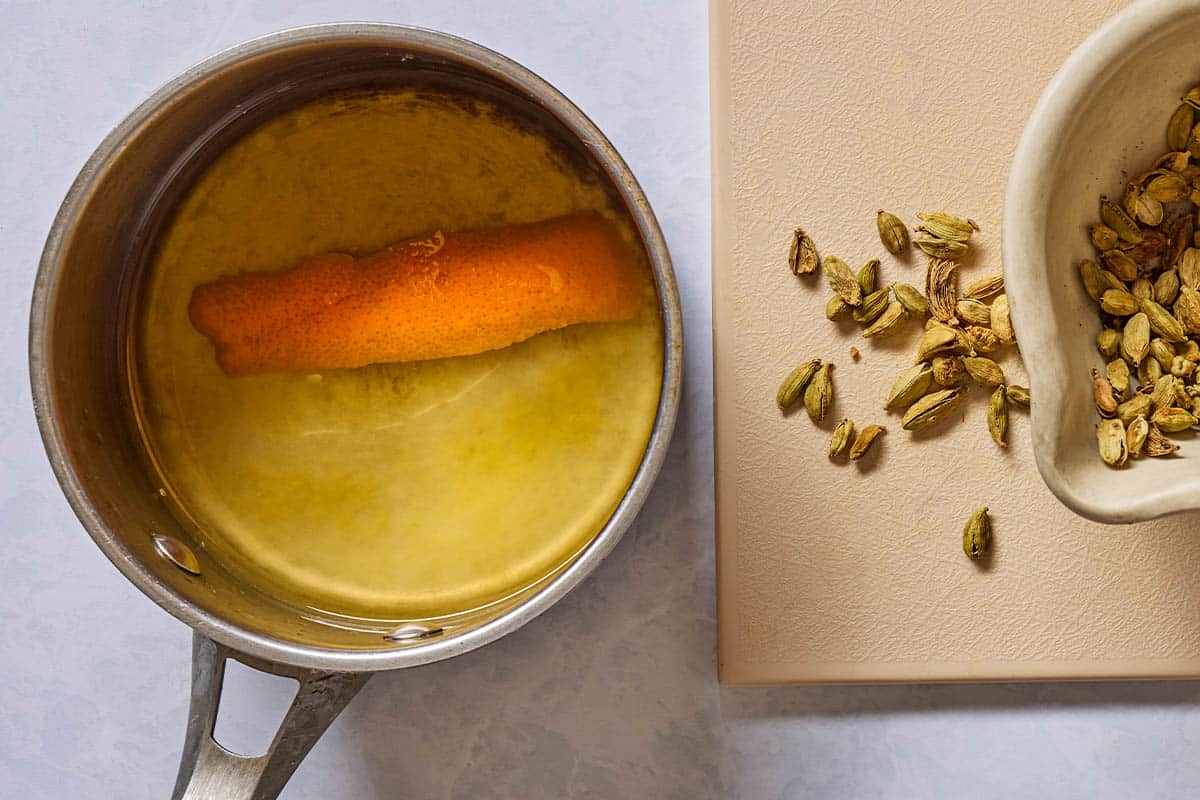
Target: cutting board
{"points": [[854, 572]]}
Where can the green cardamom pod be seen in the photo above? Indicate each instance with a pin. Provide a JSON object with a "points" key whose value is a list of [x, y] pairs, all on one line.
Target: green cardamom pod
{"points": [[1108, 342], [1119, 303], [867, 276], [909, 387], [941, 225], [892, 232], [819, 393], [836, 308], [977, 534], [1179, 129], [863, 442], [802, 258], [997, 417], [974, 312], [840, 440], [843, 281], [1115, 217], [914, 301], [1163, 322], [889, 322], [1158, 445], [1172, 420], [1135, 436], [1017, 394], [1135, 340], [942, 248], [1103, 396], [984, 371], [793, 385], [931, 409], [1139, 404], [1103, 237], [872, 306], [1110, 437]]}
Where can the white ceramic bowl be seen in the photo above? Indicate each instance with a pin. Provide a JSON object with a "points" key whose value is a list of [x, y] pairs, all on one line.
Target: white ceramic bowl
{"points": [[1102, 116]]}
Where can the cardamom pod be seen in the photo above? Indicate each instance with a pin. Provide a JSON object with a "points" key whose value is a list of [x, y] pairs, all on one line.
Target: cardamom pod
{"points": [[1189, 267], [977, 534], [819, 393], [1187, 310], [1120, 264], [1147, 210], [1163, 322], [948, 371], [867, 276], [1117, 371], [1112, 281], [1149, 371], [840, 440], [892, 232], [1166, 287], [1108, 342], [913, 301], [793, 385], [872, 306], [1115, 217], [1162, 352], [1002, 320], [1102, 393], [984, 371], [1172, 420], [1182, 367], [1135, 436], [941, 288], [1131, 408], [941, 225], [997, 416], [1179, 129], [1110, 436], [1192, 98], [836, 308], [1103, 237], [802, 257], [909, 387], [1163, 393], [1093, 282], [1135, 341], [974, 312], [1118, 303], [982, 340], [964, 342], [1158, 445], [1017, 394], [1142, 289], [936, 340], [889, 322], [931, 409], [1167, 188], [985, 287], [1189, 349], [843, 281], [942, 248], [864, 440]]}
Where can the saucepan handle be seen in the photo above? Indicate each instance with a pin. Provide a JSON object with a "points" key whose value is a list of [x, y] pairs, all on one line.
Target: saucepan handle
{"points": [[208, 771]]}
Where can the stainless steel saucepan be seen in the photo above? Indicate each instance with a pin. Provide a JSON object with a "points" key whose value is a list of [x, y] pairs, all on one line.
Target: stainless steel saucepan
{"points": [[97, 248]]}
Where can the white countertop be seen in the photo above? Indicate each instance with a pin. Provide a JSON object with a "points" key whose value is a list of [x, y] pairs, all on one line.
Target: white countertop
{"points": [[612, 693]]}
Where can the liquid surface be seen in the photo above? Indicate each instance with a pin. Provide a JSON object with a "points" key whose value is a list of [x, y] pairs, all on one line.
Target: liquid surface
{"points": [[409, 490]]}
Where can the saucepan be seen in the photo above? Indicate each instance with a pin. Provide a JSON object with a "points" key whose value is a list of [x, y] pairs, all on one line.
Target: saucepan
{"points": [[1103, 116], [78, 362]]}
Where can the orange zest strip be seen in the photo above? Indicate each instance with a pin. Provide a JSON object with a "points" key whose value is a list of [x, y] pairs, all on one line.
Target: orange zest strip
{"points": [[448, 295]]}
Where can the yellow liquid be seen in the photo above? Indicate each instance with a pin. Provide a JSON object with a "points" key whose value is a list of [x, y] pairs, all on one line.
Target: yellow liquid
{"points": [[395, 491]]}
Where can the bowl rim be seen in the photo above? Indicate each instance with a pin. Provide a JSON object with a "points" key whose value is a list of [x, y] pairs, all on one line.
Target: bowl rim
{"points": [[1025, 270], [388, 655]]}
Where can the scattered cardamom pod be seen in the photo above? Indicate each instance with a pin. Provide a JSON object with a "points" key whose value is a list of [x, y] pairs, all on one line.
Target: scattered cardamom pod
{"points": [[909, 387], [913, 301], [872, 306], [1163, 322], [941, 288], [892, 232], [1093, 281], [1166, 287], [1163, 352], [842, 281], [840, 440], [941, 225], [942, 248], [931, 409], [889, 322], [948, 371], [974, 312], [1163, 393], [1118, 303], [980, 339], [1189, 268], [1117, 371], [1102, 393], [977, 534], [934, 341], [1120, 264], [1142, 289], [1187, 310], [1158, 445], [1002, 321], [1166, 188], [793, 385], [802, 258], [1149, 371], [836, 308], [1182, 367], [983, 370], [984, 288], [997, 416], [867, 276], [863, 442], [819, 393], [964, 343], [1116, 218], [1179, 129], [1135, 436], [1017, 394], [1110, 436]]}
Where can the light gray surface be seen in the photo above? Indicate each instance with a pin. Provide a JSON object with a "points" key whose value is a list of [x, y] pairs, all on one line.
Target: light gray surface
{"points": [[612, 694]]}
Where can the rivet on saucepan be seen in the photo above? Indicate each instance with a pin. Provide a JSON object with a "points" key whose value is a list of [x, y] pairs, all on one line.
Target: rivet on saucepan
{"points": [[412, 631], [176, 552]]}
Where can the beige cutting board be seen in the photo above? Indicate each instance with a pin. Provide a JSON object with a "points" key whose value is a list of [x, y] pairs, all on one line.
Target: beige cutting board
{"points": [[823, 113]]}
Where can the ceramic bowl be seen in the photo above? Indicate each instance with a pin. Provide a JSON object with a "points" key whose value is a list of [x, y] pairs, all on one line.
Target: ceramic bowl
{"points": [[1102, 117]]}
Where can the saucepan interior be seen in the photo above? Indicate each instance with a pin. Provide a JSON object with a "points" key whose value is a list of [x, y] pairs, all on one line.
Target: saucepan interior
{"points": [[100, 244]]}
